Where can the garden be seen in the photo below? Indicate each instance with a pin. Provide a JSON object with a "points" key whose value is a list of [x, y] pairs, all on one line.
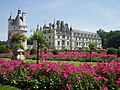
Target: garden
{"points": [[89, 69], [55, 72]]}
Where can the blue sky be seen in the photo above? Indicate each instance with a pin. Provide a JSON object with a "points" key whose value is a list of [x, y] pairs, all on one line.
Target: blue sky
{"points": [[88, 15]]}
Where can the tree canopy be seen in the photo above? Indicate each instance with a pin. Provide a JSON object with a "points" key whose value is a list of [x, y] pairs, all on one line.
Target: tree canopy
{"points": [[110, 39], [17, 38]]}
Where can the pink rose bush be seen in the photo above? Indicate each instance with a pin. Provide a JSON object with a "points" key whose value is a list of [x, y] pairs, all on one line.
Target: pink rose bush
{"points": [[60, 76], [72, 56]]}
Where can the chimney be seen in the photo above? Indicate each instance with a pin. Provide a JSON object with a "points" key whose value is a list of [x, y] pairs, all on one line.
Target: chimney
{"points": [[24, 17]]}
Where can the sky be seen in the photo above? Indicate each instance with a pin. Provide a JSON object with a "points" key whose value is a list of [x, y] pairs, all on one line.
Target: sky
{"points": [[86, 15]]}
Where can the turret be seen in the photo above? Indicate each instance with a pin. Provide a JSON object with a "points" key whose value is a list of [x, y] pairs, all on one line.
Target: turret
{"points": [[24, 17]]}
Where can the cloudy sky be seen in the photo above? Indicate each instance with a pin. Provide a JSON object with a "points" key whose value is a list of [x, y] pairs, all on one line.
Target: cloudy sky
{"points": [[88, 15]]}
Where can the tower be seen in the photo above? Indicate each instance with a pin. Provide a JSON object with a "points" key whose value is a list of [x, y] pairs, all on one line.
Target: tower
{"points": [[17, 25]]}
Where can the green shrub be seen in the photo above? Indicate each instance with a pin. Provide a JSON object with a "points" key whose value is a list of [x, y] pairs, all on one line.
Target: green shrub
{"points": [[33, 51], [55, 51], [45, 50], [4, 49], [112, 51], [118, 53]]}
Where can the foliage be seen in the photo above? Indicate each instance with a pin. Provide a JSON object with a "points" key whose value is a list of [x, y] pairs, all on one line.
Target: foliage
{"points": [[29, 41], [112, 51], [114, 41], [46, 50], [72, 56], [39, 37], [3, 42], [55, 51], [92, 47], [59, 76], [109, 39], [33, 51], [41, 41], [17, 38], [104, 37], [8, 87], [118, 52], [4, 49]]}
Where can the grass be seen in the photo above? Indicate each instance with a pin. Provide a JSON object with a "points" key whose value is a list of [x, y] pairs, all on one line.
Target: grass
{"points": [[76, 63], [7, 87]]}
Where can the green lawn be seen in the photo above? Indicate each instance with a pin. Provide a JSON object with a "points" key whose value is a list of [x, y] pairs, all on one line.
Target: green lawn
{"points": [[7, 87], [76, 63]]}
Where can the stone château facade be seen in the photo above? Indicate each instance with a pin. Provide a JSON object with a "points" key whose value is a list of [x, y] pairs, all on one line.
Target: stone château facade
{"points": [[61, 36], [18, 25]]}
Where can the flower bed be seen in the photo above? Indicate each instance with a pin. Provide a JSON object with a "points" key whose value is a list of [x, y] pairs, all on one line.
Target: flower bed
{"points": [[72, 56], [60, 76]]}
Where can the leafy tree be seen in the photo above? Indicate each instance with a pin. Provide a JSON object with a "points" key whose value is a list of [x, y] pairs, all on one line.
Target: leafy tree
{"points": [[3, 42], [29, 41], [109, 39], [92, 47], [40, 40], [4, 49], [104, 36], [114, 41], [17, 38]]}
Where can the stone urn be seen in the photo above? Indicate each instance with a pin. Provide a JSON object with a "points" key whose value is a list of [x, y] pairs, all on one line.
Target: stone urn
{"points": [[18, 54]]}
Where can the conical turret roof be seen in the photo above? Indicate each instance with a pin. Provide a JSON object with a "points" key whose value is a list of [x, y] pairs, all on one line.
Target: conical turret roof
{"points": [[18, 20]]}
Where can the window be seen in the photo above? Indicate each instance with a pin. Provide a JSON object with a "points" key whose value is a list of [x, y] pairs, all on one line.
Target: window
{"points": [[67, 37], [63, 42], [53, 43], [53, 37], [49, 43], [63, 36], [67, 42], [76, 38], [58, 42], [77, 44], [49, 37], [58, 37]]}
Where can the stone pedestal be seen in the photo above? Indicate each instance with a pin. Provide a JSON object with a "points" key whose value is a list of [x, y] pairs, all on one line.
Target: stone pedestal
{"points": [[18, 54]]}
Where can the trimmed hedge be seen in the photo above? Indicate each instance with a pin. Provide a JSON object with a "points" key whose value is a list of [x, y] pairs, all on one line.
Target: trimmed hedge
{"points": [[55, 52]]}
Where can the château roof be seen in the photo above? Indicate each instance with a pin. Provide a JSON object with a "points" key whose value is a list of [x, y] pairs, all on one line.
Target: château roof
{"points": [[84, 32], [18, 20]]}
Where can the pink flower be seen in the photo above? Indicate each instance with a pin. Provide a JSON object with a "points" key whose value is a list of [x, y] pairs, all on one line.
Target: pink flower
{"points": [[105, 79], [65, 75], [69, 86], [98, 78], [105, 88], [28, 77], [33, 73]]}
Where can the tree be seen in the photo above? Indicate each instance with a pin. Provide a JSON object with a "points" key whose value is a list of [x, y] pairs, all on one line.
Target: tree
{"points": [[17, 38], [92, 47], [29, 41], [114, 41], [3, 42], [41, 42], [104, 36]]}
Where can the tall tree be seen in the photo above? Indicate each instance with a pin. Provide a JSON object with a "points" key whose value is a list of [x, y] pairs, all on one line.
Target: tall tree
{"points": [[92, 47], [41, 41], [104, 36], [114, 41]]}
